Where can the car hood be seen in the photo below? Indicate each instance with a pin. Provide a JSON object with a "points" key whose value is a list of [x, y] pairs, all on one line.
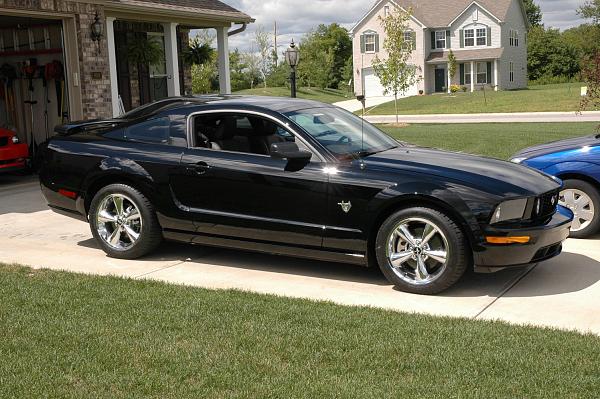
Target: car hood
{"points": [[489, 175], [557, 146]]}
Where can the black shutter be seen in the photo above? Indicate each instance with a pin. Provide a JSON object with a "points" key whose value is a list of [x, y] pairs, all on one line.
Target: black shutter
{"points": [[362, 43], [489, 72], [489, 36], [448, 39], [376, 43], [413, 36], [433, 40], [462, 74], [462, 38]]}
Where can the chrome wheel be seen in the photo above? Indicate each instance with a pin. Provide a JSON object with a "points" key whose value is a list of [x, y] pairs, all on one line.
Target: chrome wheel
{"points": [[417, 251], [118, 221], [581, 205]]}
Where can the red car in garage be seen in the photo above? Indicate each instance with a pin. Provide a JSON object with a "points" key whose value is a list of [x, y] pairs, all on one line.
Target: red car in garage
{"points": [[13, 154]]}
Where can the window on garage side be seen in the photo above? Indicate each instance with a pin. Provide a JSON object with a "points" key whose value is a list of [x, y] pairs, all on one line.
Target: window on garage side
{"points": [[370, 43]]}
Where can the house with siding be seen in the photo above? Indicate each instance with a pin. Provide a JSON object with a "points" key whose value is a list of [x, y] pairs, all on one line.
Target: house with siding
{"points": [[488, 39]]}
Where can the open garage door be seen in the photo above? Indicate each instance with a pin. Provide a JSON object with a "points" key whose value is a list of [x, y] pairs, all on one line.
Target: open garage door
{"points": [[373, 87], [33, 87]]}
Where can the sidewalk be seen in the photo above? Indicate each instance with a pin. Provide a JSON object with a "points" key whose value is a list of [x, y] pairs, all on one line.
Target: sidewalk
{"points": [[523, 117]]}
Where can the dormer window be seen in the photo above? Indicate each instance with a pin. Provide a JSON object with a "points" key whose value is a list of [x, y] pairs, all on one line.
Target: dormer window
{"points": [[476, 37]]}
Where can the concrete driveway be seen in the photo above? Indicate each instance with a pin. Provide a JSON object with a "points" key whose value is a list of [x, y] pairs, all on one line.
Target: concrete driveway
{"points": [[562, 293]]}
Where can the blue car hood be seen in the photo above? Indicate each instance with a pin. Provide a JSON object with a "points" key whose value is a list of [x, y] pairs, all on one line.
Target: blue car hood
{"points": [[489, 175], [558, 146]]}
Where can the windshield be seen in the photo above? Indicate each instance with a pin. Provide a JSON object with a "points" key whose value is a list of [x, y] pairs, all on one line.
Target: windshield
{"points": [[341, 132]]}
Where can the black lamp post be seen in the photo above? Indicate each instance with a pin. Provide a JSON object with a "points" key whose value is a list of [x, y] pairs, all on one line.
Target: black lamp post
{"points": [[292, 56]]}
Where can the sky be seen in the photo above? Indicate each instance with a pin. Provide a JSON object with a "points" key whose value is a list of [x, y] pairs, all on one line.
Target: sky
{"points": [[296, 17]]}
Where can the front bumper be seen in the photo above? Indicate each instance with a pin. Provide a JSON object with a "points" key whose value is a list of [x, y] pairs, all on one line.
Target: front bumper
{"points": [[546, 242]]}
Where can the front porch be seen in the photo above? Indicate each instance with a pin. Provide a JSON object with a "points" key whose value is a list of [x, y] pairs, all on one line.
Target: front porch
{"points": [[474, 70], [133, 83]]}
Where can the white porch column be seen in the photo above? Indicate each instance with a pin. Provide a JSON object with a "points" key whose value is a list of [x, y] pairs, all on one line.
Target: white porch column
{"points": [[173, 88], [449, 78], [112, 64], [496, 83], [223, 48], [473, 75]]}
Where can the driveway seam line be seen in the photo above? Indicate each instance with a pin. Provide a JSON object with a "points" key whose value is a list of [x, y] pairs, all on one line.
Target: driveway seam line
{"points": [[159, 269], [510, 287]]}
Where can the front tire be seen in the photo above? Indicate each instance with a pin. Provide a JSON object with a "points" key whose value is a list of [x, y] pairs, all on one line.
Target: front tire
{"points": [[584, 200], [421, 250], [123, 222]]}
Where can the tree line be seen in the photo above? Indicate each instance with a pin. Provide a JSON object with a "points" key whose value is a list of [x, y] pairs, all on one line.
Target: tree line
{"points": [[554, 56]]}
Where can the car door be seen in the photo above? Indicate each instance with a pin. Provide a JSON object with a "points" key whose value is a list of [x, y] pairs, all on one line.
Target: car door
{"points": [[235, 193]]}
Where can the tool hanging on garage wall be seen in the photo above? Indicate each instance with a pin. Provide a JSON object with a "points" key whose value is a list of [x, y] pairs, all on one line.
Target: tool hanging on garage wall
{"points": [[31, 61]]}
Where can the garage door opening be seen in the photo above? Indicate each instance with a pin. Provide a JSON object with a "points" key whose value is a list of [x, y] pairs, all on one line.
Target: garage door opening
{"points": [[34, 94]]}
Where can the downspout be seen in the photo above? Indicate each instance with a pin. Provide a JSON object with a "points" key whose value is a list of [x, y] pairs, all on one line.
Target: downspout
{"points": [[238, 30]]}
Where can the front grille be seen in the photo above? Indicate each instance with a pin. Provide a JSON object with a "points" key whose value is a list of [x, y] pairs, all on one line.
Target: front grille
{"points": [[545, 205], [3, 141]]}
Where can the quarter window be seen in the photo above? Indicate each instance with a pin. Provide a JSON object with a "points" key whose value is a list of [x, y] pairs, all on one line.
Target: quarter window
{"points": [[151, 131], [370, 43], [408, 39], [469, 37], [440, 39]]}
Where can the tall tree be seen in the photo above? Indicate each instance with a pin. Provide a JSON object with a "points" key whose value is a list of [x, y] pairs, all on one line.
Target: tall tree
{"points": [[549, 54], [534, 13], [590, 10], [396, 74], [264, 46]]}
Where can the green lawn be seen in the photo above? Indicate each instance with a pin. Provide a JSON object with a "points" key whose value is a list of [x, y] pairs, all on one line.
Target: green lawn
{"points": [[70, 335], [309, 93], [498, 140], [557, 97]]}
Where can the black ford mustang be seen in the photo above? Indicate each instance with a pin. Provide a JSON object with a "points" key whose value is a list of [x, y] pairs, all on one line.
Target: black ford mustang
{"points": [[299, 178]]}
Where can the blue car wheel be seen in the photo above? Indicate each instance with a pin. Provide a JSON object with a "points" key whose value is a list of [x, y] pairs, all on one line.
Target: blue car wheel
{"points": [[584, 200]]}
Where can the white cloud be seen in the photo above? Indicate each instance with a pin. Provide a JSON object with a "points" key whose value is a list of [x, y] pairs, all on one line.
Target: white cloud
{"points": [[296, 17]]}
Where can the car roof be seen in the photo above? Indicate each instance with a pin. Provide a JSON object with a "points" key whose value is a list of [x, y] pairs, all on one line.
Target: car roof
{"points": [[194, 103]]}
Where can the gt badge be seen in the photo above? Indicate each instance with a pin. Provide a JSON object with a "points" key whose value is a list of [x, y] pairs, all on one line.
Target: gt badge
{"points": [[346, 206]]}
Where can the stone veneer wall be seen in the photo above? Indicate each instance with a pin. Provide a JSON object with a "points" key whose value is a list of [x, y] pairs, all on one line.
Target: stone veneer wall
{"points": [[93, 57]]}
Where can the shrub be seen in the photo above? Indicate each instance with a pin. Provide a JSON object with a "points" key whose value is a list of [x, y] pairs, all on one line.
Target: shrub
{"points": [[455, 88], [549, 79], [464, 89]]}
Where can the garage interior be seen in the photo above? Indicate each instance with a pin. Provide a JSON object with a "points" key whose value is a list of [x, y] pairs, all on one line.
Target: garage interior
{"points": [[33, 88]]}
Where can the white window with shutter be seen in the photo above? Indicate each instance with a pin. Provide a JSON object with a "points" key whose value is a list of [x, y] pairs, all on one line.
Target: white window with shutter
{"points": [[370, 43], [469, 37], [440, 39]]}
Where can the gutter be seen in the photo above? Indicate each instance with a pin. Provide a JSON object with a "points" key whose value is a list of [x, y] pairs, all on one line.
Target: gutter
{"points": [[238, 30]]}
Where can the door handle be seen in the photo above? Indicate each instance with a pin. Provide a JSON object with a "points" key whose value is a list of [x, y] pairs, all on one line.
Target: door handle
{"points": [[199, 168]]}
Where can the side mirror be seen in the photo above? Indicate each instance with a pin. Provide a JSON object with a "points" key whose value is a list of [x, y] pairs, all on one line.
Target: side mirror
{"points": [[297, 158]]}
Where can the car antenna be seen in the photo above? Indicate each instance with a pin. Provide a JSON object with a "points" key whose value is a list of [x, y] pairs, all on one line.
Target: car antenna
{"points": [[361, 98]]}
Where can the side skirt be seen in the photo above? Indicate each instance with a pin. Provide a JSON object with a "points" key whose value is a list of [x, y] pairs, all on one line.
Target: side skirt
{"points": [[274, 249]]}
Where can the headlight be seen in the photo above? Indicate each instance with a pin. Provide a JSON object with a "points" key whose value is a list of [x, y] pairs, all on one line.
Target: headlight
{"points": [[509, 210], [15, 140], [518, 160]]}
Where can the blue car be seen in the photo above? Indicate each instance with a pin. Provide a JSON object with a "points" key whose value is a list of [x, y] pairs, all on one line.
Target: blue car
{"points": [[577, 162]]}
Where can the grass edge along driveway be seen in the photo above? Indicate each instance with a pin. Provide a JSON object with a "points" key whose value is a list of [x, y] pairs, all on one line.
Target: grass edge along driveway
{"points": [[72, 335]]}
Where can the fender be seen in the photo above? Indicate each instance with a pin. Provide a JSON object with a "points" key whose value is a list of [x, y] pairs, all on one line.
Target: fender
{"points": [[588, 169], [114, 168], [470, 207]]}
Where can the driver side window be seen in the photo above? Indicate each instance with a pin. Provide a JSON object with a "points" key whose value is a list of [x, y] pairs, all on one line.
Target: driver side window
{"points": [[244, 133]]}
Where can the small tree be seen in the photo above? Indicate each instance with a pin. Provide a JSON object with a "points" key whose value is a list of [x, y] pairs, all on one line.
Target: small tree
{"points": [[452, 65], [396, 74], [591, 76]]}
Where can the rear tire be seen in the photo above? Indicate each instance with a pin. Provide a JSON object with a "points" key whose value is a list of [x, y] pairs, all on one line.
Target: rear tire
{"points": [[123, 222], [421, 250], [584, 200]]}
